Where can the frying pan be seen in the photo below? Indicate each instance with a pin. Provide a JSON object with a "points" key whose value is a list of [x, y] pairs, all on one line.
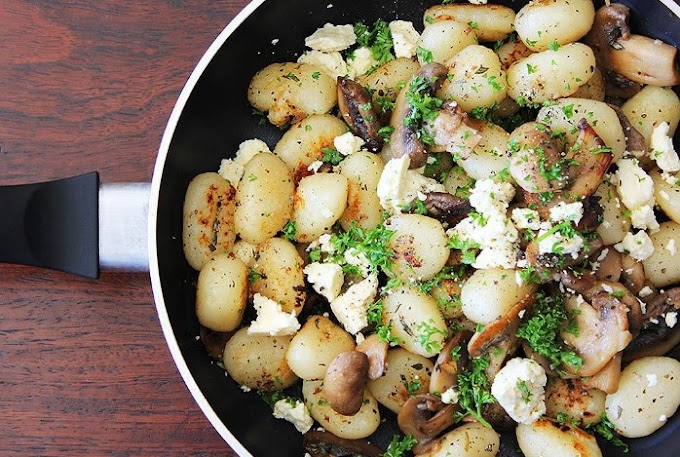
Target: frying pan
{"points": [[211, 118]]}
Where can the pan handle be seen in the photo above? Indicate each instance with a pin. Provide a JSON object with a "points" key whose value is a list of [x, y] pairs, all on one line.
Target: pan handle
{"points": [[52, 224], [75, 225]]}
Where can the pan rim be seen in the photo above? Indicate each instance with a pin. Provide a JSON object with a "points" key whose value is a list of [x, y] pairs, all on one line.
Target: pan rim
{"points": [[154, 269]]}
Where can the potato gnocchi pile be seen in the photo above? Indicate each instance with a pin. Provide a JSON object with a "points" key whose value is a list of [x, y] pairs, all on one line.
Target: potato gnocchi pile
{"points": [[474, 226]]}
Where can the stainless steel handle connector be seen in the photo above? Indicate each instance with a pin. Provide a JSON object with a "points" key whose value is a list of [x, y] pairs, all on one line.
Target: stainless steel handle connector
{"points": [[123, 219]]}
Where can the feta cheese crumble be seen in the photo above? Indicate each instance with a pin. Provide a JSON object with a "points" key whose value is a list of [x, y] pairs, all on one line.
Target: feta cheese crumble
{"points": [[351, 308], [332, 38], [639, 246], [645, 292], [331, 63], [326, 279], [519, 388], [347, 143], [405, 38], [362, 60], [271, 319], [398, 186], [450, 396], [558, 243], [662, 149], [636, 189], [294, 412], [525, 218], [671, 319], [567, 212]]}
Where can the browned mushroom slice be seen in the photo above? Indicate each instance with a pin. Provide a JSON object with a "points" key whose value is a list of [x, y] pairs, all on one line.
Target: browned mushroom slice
{"points": [[535, 161], [577, 283], [453, 131], [546, 264], [591, 159], [602, 331], [621, 293], [634, 57], [354, 103], [607, 379], [325, 444], [344, 382], [635, 141], [405, 139], [669, 300], [376, 351], [653, 342], [449, 363], [610, 265], [593, 214], [425, 416], [633, 274], [447, 208], [500, 329]]}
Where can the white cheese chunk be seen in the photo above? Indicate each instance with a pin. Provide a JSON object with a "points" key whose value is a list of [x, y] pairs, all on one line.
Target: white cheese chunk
{"points": [[392, 182], [662, 149], [525, 218], [450, 396], [567, 212], [519, 388], [671, 319], [636, 189], [557, 243], [351, 308], [405, 38], [296, 413], [639, 246], [271, 319], [323, 243], [315, 166], [645, 292], [361, 62], [326, 279], [332, 38], [330, 63], [347, 143], [478, 2], [231, 171], [489, 196]]}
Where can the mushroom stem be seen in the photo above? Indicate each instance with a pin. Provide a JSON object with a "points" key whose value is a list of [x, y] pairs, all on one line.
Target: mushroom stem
{"points": [[354, 103]]}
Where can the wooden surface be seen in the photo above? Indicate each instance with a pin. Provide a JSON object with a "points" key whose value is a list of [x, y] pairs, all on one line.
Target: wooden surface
{"points": [[89, 85]]}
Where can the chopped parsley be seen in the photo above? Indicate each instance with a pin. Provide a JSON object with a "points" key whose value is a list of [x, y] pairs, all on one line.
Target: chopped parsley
{"points": [[425, 107], [554, 45], [524, 390], [332, 156], [289, 230], [467, 248], [399, 447], [532, 68], [374, 244], [424, 334], [412, 386], [316, 75], [254, 276], [474, 390], [378, 39], [448, 272], [425, 55], [542, 331], [606, 430], [384, 331]]}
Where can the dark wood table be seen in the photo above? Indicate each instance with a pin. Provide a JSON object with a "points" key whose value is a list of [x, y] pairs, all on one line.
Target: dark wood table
{"points": [[89, 85]]}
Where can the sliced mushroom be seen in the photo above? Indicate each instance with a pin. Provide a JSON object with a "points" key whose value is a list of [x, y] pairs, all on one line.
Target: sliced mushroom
{"points": [[454, 131], [607, 379], [577, 283], [546, 264], [669, 300], [635, 141], [652, 342], [447, 208], [446, 368], [593, 214], [590, 159], [344, 382], [376, 351], [405, 139], [633, 274], [325, 444], [610, 265], [500, 329], [622, 294], [602, 331], [355, 105], [634, 57], [535, 161], [425, 416]]}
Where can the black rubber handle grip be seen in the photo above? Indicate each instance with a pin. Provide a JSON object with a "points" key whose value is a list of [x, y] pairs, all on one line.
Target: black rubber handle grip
{"points": [[52, 224]]}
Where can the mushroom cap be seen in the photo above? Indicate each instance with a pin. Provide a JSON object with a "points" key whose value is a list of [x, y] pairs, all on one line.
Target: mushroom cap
{"points": [[344, 382]]}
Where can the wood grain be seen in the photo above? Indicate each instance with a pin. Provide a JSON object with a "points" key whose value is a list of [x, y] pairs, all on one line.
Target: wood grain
{"points": [[84, 369]]}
